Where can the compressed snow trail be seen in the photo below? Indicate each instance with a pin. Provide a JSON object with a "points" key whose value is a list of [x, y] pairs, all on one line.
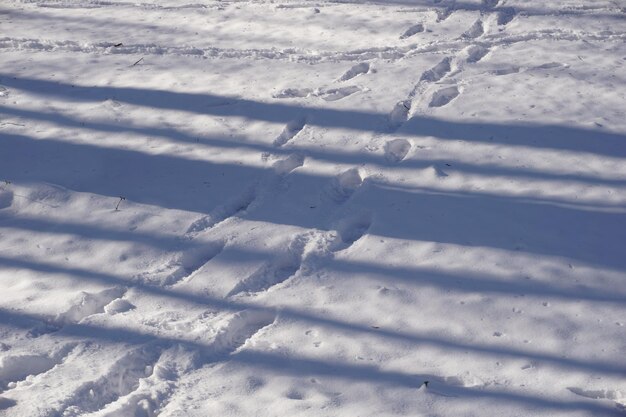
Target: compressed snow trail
{"points": [[338, 208]]}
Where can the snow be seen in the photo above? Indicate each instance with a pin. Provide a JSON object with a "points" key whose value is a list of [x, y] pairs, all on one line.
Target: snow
{"points": [[315, 208]]}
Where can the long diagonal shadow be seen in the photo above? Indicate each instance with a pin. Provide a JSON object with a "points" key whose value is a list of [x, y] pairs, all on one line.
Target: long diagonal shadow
{"points": [[306, 367], [335, 156], [546, 136], [228, 305], [175, 183]]}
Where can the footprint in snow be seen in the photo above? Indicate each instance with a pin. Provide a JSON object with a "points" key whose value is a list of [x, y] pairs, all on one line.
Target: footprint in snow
{"points": [[275, 272], [505, 71], [191, 261], [17, 368], [413, 30], [290, 131], [294, 93], [444, 96], [356, 70], [240, 328], [396, 150], [335, 94], [600, 394], [87, 304], [444, 14], [231, 209], [351, 229], [121, 379], [399, 114], [344, 185], [332, 94], [475, 31], [437, 72], [506, 15], [285, 166], [118, 306], [550, 65], [475, 53]]}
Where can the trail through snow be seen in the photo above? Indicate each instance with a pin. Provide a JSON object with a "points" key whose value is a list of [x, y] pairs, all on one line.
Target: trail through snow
{"points": [[279, 208]]}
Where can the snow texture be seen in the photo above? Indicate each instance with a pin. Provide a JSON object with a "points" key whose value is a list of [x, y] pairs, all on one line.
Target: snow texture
{"points": [[296, 208]]}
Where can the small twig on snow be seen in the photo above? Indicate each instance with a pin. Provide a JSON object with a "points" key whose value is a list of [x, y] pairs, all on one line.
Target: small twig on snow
{"points": [[117, 207]]}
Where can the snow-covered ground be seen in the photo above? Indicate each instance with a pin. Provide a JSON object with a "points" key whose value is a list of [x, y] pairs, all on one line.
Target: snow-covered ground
{"points": [[312, 208]]}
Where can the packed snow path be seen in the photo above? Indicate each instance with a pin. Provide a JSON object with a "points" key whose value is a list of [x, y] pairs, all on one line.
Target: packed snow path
{"points": [[312, 208]]}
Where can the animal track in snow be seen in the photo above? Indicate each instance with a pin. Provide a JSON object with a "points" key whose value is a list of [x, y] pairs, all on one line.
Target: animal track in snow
{"points": [[437, 72], [88, 304], [475, 53], [444, 96], [275, 272], [238, 205], [285, 166], [192, 260], [344, 185], [397, 149], [356, 70], [475, 31], [413, 30], [290, 131], [122, 378]]}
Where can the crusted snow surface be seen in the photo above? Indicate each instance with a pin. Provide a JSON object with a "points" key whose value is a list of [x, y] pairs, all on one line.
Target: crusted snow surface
{"points": [[312, 208]]}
